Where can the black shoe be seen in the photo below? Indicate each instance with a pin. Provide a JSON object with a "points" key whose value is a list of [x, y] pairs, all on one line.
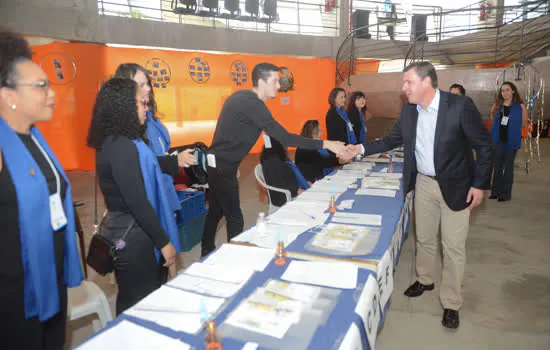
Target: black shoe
{"points": [[493, 196], [416, 289], [502, 199], [450, 318]]}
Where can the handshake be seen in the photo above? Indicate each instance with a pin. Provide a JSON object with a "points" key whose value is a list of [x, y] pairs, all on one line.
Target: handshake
{"points": [[343, 152]]}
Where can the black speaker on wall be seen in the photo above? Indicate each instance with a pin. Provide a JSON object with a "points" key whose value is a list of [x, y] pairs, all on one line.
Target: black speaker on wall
{"points": [[232, 6], [270, 8], [252, 7], [210, 4], [361, 19], [418, 27]]}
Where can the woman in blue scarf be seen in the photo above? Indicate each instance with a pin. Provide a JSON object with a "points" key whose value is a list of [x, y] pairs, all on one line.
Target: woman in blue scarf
{"points": [[357, 108], [157, 136], [339, 125], [140, 219], [38, 257], [281, 172]]}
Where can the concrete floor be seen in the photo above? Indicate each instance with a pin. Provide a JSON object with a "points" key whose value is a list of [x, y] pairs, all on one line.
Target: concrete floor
{"points": [[506, 286]]}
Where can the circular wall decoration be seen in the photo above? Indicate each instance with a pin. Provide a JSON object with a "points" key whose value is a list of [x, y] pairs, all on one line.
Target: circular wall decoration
{"points": [[199, 70], [159, 71], [59, 67], [286, 79], [239, 73]]}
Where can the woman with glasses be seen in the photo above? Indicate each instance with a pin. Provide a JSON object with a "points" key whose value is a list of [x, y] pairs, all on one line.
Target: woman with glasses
{"points": [[139, 220], [39, 258]]}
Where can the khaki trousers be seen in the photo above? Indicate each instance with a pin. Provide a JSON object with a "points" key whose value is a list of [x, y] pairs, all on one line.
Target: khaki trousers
{"points": [[431, 212]]}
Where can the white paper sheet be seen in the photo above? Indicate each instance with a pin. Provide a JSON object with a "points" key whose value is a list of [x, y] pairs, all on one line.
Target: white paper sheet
{"points": [[203, 285], [352, 339], [220, 272], [232, 255], [368, 307], [175, 308], [298, 215], [128, 335], [375, 192], [384, 277], [387, 175], [331, 274], [357, 219], [381, 183]]}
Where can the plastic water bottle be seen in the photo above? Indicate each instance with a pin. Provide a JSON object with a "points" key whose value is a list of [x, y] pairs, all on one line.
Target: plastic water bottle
{"points": [[261, 224]]}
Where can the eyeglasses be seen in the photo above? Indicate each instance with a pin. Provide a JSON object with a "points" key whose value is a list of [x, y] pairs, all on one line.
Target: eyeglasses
{"points": [[43, 84]]}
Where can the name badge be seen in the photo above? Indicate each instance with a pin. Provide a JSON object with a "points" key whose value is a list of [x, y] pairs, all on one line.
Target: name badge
{"points": [[504, 121], [57, 213], [211, 160], [350, 126]]}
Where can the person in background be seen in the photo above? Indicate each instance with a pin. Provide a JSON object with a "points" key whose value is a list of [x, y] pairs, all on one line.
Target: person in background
{"points": [[281, 172], [448, 183], [158, 138], [314, 164], [508, 117], [139, 218], [357, 107], [339, 126], [457, 89], [243, 117], [39, 257]]}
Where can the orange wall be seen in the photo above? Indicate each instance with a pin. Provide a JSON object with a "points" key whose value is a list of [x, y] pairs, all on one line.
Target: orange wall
{"points": [[189, 109]]}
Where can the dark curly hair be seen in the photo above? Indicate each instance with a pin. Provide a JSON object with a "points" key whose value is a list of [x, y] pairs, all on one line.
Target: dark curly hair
{"points": [[115, 112], [332, 96], [13, 50], [352, 108], [129, 70]]}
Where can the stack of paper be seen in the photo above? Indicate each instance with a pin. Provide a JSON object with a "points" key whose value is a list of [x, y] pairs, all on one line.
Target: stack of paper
{"points": [[387, 175], [128, 335], [376, 192], [330, 274], [357, 219], [379, 182], [270, 238], [241, 257], [175, 308]]}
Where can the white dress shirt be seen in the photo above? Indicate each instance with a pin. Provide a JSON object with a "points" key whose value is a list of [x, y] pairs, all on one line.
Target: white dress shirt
{"points": [[425, 136]]}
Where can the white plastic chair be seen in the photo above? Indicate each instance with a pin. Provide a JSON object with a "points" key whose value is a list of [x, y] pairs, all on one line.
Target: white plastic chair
{"points": [[261, 179], [88, 299]]}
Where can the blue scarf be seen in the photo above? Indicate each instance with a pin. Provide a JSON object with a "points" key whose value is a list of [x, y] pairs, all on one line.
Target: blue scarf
{"points": [[37, 248], [363, 133], [154, 187], [324, 153], [159, 143], [352, 139], [302, 182]]}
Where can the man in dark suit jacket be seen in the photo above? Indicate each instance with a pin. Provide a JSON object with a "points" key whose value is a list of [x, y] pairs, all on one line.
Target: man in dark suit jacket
{"points": [[439, 131]]}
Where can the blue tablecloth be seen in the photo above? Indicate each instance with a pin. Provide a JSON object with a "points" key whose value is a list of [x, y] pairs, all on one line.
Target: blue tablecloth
{"points": [[327, 336], [388, 208]]}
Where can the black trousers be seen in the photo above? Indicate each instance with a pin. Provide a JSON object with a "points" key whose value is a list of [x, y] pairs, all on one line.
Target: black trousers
{"points": [[223, 199], [503, 176], [137, 271]]}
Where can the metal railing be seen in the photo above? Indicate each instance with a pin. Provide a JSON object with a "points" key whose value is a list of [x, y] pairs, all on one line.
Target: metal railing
{"points": [[309, 17], [503, 34]]}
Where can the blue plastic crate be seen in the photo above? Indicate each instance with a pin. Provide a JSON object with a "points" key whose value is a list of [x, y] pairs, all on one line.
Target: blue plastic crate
{"points": [[191, 232], [192, 206]]}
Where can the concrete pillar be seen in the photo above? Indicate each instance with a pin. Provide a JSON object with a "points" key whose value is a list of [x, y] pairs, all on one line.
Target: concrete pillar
{"points": [[344, 17], [499, 12]]}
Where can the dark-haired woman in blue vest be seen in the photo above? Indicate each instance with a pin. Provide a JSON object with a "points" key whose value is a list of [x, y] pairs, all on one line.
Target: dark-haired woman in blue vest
{"points": [[38, 253], [509, 116]]}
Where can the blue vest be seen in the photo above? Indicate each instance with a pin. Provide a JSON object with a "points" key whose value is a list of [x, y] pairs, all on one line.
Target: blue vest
{"points": [[514, 127]]}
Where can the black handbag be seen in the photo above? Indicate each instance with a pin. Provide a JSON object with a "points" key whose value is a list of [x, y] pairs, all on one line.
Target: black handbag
{"points": [[102, 252]]}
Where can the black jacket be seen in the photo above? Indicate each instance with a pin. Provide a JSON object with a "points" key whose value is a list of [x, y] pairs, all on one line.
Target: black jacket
{"points": [[459, 129], [279, 174], [336, 126], [311, 163]]}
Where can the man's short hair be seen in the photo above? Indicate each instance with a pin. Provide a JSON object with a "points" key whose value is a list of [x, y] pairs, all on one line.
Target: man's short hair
{"points": [[262, 71], [459, 87], [423, 69]]}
